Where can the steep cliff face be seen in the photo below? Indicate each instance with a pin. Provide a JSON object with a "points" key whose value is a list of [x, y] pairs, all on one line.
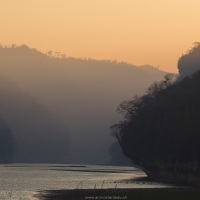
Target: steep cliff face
{"points": [[185, 174], [182, 173]]}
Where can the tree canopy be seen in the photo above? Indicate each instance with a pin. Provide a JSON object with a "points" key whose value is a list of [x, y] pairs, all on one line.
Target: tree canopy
{"points": [[161, 129], [189, 62]]}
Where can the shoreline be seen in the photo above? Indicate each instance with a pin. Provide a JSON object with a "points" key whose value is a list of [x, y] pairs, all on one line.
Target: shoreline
{"points": [[180, 193]]}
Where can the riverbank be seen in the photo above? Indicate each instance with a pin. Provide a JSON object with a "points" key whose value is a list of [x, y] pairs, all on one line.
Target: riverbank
{"points": [[122, 194]]}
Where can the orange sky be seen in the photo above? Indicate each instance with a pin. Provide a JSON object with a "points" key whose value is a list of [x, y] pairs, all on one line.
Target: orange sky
{"points": [[140, 32]]}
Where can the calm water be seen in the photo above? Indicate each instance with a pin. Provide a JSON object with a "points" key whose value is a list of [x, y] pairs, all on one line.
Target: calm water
{"points": [[21, 181]]}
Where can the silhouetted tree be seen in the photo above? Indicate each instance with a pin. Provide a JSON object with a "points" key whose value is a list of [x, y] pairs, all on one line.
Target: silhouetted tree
{"points": [[161, 129]]}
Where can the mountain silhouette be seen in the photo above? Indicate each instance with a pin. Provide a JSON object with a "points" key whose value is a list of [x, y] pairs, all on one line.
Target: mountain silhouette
{"points": [[81, 93]]}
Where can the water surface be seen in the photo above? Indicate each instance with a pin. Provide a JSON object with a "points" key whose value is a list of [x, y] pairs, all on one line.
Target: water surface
{"points": [[21, 181]]}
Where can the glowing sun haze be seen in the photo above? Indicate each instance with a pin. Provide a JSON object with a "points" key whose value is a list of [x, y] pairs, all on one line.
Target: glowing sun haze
{"points": [[136, 31]]}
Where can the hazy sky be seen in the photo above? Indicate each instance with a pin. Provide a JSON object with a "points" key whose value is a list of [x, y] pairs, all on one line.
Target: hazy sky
{"points": [[153, 32]]}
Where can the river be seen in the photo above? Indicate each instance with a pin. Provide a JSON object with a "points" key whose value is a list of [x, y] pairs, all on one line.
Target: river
{"points": [[22, 181]]}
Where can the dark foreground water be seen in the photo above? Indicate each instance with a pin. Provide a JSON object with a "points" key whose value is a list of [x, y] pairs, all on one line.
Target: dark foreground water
{"points": [[22, 181]]}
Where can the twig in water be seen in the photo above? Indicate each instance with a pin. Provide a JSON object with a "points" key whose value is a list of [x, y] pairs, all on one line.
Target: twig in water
{"points": [[10, 194], [81, 184], [102, 184]]}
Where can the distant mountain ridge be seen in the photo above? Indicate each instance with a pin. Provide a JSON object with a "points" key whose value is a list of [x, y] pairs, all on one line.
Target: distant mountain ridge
{"points": [[151, 69], [82, 94]]}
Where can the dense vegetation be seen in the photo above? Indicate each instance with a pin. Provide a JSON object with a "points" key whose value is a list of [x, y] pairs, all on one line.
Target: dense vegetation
{"points": [[161, 129], [189, 62]]}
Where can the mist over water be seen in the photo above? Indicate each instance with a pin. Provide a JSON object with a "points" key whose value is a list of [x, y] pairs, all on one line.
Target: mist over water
{"points": [[37, 136], [73, 100]]}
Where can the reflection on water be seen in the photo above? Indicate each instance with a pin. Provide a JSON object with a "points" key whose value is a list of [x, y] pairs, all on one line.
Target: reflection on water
{"points": [[20, 181]]}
